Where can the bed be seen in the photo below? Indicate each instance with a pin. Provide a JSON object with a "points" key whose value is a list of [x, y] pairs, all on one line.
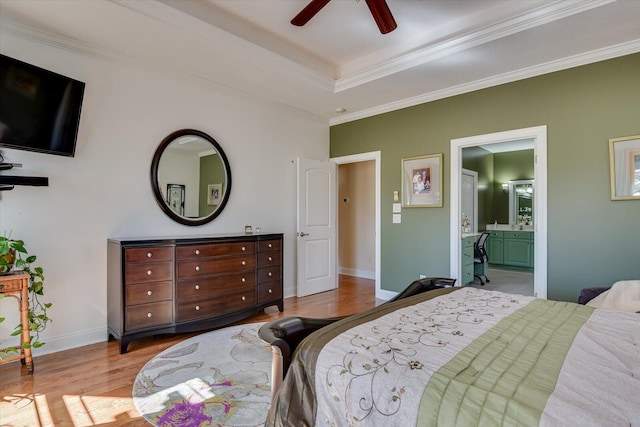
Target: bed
{"points": [[466, 356]]}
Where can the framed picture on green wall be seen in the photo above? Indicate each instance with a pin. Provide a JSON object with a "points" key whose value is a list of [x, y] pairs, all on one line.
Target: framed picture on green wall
{"points": [[624, 159], [422, 181]]}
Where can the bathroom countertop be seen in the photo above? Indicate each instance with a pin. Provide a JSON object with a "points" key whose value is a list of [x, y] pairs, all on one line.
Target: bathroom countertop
{"points": [[509, 227], [470, 235]]}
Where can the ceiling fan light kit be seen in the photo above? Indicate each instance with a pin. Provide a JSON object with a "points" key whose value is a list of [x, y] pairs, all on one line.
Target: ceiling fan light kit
{"points": [[379, 10]]}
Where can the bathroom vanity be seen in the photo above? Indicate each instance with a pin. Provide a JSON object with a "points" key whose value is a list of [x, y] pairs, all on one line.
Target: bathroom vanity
{"points": [[511, 248]]}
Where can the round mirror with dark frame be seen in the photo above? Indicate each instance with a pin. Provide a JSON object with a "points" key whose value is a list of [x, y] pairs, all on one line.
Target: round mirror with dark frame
{"points": [[190, 177]]}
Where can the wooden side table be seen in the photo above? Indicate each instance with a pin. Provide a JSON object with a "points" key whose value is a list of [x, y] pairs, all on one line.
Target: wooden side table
{"points": [[16, 285]]}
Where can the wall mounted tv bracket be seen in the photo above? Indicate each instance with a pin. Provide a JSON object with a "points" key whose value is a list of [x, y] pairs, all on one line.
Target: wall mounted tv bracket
{"points": [[8, 182]]}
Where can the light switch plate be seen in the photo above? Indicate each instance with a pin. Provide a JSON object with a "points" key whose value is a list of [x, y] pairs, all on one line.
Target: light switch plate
{"points": [[397, 208], [397, 218]]}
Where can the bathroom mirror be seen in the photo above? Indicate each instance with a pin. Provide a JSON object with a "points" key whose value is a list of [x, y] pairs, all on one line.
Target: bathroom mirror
{"points": [[521, 202], [190, 177]]}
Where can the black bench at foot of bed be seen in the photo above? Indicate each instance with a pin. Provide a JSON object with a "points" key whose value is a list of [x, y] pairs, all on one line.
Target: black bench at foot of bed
{"points": [[286, 333]]}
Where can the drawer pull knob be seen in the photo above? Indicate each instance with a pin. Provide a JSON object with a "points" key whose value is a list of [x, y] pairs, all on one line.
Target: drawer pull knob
{"points": [[197, 251], [149, 314], [149, 272], [270, 259], [270, 274], [149, 254], [270, 245], [197, 286], [244, 249], [270, 291], [244, 262], [244, 298], [197, 268], [243, 280], [149, 293], [197, 308]]}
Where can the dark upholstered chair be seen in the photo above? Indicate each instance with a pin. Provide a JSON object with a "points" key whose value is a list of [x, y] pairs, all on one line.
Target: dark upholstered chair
{"points": [[480, 258], [587, 294], [286, 333]]}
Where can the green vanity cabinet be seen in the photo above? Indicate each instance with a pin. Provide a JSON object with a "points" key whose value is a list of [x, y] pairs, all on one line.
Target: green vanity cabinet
{"points": [[467, 259], [495, 247], [517, 248], [511, 248]]}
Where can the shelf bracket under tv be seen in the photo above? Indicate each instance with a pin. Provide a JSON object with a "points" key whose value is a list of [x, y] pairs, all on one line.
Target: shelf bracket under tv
{"points": [[8, 182]]}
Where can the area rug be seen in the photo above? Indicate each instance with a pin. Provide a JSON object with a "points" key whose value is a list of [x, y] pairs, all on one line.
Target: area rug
{"points": [[220, 378]]}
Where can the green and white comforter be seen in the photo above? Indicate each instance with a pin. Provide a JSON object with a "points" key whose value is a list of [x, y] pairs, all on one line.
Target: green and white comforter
{"points": [[468, 357]]}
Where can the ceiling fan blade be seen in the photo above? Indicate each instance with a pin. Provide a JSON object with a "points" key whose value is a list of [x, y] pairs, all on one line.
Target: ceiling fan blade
{"points": [[308, 12], [382, 15]]}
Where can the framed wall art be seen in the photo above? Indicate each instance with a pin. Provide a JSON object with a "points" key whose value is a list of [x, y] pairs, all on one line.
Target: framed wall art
{"points": [[422, 181], [214, 192], [175, 197], [624, 163]]}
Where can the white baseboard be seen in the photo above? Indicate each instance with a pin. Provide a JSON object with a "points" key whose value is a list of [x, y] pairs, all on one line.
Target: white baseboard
{"points": [[67, 342], [357, 273], [385, 295]]}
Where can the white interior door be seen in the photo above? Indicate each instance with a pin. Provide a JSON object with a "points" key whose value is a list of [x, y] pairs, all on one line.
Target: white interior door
{"points": [[316, 241], [469, 197]]}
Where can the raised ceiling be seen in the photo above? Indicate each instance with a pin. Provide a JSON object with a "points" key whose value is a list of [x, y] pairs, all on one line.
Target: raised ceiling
{"points": [[339, 60]]}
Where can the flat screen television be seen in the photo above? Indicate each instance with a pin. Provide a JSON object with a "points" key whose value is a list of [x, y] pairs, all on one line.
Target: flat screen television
{"points": [[39, 109]]}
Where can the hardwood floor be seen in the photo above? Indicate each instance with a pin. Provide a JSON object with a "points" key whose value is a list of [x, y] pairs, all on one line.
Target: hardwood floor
{"points": [[91, 385]]}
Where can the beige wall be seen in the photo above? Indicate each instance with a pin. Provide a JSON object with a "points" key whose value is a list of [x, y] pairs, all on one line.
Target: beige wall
{"points": [[356, 219], [105, 190]]}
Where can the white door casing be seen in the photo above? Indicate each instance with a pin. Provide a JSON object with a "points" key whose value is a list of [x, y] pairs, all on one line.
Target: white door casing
{"points": [[539, 136], [316, 237], [469, 197], [376, 157]]}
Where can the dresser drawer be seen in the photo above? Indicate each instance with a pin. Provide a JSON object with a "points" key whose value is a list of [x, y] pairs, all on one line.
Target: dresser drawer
{"points": [[147, 315], [269, 245], [467, 255], [468, 242], [496, 234], [269, 274], [467, 276], [524, 235], [214, 250], [148, 272], [215, 304], [266, 259], [207, 285], [269, 292], [212, 266], [149, 254], [148, 292]]}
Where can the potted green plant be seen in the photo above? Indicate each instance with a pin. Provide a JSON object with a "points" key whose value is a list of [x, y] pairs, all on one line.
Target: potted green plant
{"points": [[14, 257]]}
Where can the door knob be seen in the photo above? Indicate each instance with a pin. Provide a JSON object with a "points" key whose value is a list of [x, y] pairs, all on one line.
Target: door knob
{"points": [[302, 234]]}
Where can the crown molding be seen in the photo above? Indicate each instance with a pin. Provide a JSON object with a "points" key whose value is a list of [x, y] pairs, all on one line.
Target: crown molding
{"points": [[615, 51], [543, 15], [46, 38]]}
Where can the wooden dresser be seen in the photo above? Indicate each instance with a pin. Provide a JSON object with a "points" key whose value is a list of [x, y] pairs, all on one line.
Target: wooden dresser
{"points": [[159, 286]]}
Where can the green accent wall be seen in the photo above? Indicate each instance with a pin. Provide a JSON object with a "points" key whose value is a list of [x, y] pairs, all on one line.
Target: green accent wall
{"points": [[592, 240], [211, 172], [493, 171]]}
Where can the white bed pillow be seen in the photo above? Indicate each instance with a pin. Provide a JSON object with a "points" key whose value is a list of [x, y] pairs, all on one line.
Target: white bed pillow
{"points": [[623, 295]]}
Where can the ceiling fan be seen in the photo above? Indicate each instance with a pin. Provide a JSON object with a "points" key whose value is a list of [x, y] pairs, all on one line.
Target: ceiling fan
{"points": [[379, 9]]}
